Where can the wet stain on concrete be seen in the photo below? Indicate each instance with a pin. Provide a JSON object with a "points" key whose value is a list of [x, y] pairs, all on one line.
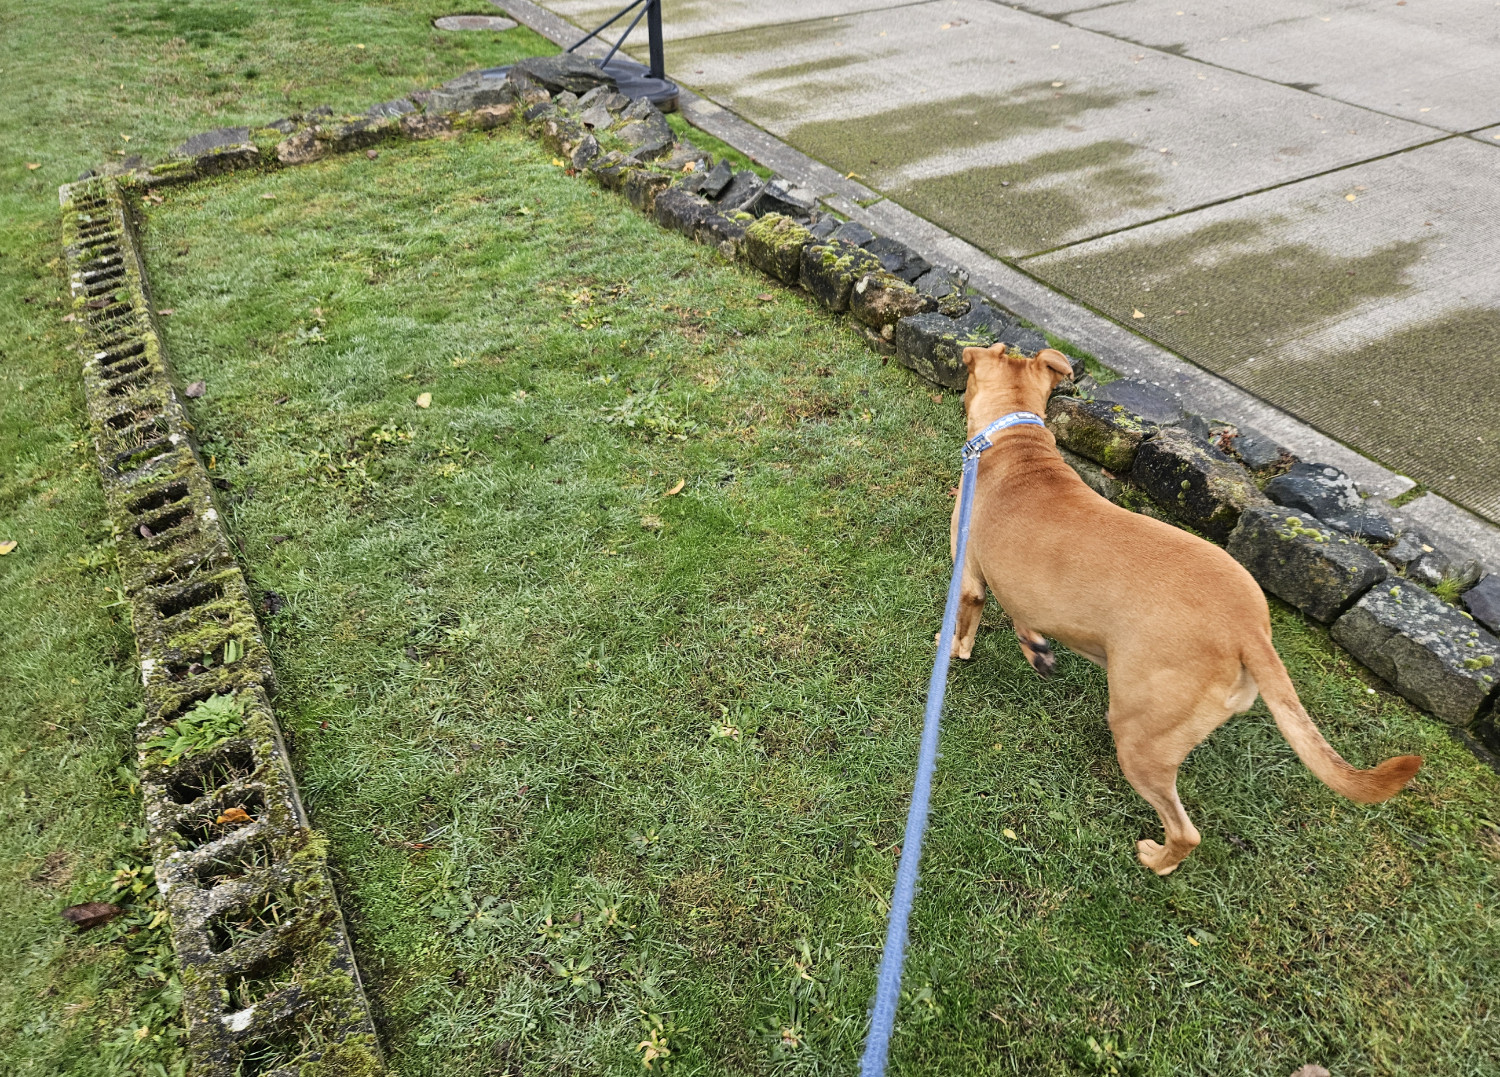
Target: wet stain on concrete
{"points": [[1039, 202], [756, 41], [813, 67], [1241, 292], [880, 144], [1236, 299], [1436, 419]]}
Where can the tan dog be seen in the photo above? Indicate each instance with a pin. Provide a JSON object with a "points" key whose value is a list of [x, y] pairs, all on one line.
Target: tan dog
{"points": [[1181, 626]]}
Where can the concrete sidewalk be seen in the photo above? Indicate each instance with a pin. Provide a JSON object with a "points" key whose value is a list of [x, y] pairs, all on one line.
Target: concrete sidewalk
{"points": [[1303, 198]]}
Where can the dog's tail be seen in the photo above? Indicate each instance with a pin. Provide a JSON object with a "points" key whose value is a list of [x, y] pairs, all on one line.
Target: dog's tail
{"points": [[1365, 786]]}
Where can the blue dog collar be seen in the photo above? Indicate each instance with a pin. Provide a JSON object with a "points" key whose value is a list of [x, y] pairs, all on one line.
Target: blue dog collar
{"points": [[981, 441]]}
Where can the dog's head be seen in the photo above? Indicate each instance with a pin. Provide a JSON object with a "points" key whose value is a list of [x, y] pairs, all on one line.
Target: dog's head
{"points": [[1002, 381]]}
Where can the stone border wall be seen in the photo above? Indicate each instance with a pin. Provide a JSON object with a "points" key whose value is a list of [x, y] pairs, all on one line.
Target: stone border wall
{"points": [[1130, 442], [269, 980]]}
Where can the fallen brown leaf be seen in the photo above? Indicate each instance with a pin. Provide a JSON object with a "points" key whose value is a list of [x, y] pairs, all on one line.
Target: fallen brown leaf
{"points": [[372, 154], [91, 914], [167, 312], [1136, 314], [424, 400], [674, 491], [32, 166], [234, 815], [197, 389], [765, 297], [7, 546], [98, 304]]}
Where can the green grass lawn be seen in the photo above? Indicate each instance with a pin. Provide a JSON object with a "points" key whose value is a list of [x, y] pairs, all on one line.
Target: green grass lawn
{"points": [[82, 82], [602, 765]]}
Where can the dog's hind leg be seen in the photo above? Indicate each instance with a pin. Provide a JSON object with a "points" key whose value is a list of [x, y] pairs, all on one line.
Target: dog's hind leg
{"points": [[1156, 781], [1150, 750]]}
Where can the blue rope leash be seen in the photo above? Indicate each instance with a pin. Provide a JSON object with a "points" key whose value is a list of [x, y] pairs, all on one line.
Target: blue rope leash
{"points": [[888, 982]]}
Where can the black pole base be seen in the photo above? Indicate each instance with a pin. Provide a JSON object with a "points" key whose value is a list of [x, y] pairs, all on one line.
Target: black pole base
{"points": [[636, 81]]}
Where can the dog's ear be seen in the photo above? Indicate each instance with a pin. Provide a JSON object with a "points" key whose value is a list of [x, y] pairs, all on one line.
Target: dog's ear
{"points": [[971, 356], [1057, 362]]}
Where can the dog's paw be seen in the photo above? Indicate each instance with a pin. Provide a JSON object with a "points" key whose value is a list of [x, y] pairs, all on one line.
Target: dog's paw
{"points": [[1041, 657], [1151, 854]]}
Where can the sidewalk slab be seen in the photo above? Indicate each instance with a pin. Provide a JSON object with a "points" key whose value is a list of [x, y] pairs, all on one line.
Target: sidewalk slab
{"points": [[682, 19], [1431, 63], [1365, 302], [1020, 133]]}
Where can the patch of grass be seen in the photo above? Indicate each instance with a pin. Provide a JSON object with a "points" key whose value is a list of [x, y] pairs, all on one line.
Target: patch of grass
{"points": [[83, 82], [709, 144], [611, 726]]}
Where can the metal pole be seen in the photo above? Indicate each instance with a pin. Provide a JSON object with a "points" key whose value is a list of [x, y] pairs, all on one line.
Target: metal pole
{"points": [[600, 29], [653, 33], [611, 54]]}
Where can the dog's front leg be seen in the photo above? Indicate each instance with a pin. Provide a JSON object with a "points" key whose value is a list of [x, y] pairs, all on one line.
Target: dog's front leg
{"points": [[970, 610], [970, 596]]}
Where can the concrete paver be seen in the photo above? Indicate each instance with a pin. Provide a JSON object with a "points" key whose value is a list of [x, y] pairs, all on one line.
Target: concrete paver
{"points": [[1436, 64], [1020, 133], [693, 18], [1366, 302]]}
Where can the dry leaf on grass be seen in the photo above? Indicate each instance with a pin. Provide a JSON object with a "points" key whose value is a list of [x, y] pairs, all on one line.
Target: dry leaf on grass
{"points": [[765, 297], [32, 166], [676, 489], [197, 389], [91, 914], [7, 546], [425, 400], [1136, 314], [234, 815]]}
